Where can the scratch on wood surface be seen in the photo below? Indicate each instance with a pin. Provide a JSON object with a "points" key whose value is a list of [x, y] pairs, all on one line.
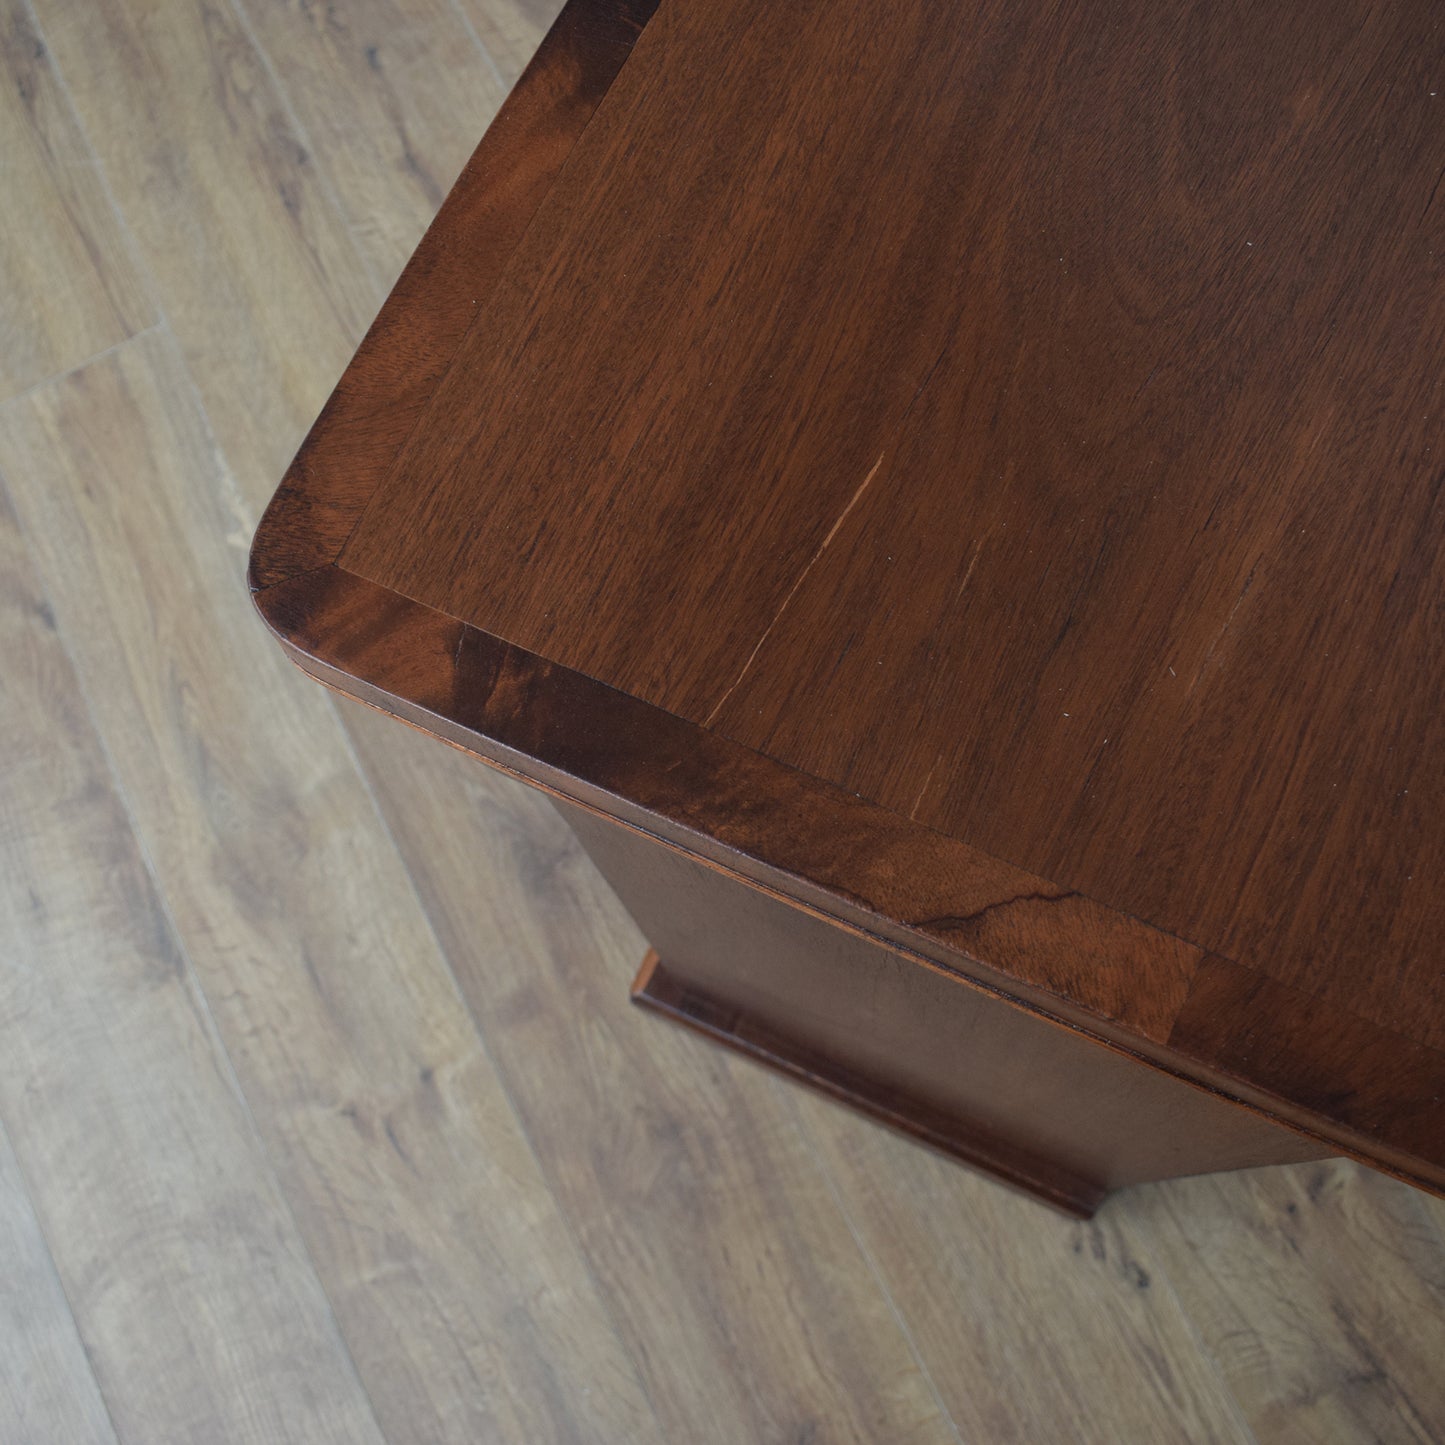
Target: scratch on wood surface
{"points": [[1220, 635], [913, 811], [1434, 191], [968, 575], [823, 547]]}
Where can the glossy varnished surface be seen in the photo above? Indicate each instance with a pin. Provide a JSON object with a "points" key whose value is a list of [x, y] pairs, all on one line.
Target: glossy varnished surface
{"points": [[1025, 419], [1323, 1069], [1017, 419]]}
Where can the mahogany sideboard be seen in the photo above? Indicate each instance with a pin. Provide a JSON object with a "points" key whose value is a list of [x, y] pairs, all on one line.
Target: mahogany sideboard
{"points": [[949, 500]]}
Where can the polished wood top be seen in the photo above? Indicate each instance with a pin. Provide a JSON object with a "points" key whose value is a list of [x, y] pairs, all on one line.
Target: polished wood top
{"points": [[975, 470]]}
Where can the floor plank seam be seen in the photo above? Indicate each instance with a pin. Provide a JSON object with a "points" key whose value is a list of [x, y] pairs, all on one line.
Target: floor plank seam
{"points": [[194, 987], [7, 1142]]}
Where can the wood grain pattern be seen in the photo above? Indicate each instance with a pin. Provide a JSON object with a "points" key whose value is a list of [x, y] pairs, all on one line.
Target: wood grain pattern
{"points": [[1271, 1273], [732, 1273], [1039, 1104], [1076, 1334], [1020, 1334], [1383, 1087], [198, 1307], [849, 859], [418, 1196], [860, 866], [70, 286], [378, 403], [511, 30], [1215, 692], [679, 143], [932, 515], [417, 98], [47, 1389], [1031, 1328], [260, 279]]}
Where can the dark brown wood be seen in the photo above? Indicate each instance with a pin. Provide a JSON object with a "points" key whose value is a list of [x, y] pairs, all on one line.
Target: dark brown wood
{"points": [[440, 293], [660, 990], [966, 1072], [999, 433], [632, 763]]}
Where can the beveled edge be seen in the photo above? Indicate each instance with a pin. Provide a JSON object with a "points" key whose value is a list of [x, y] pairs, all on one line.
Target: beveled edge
{"points": [[1134, 988], [1064, 957]]}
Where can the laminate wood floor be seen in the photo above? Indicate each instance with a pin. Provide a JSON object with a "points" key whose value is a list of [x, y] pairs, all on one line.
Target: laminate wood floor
{"points": [[323, 1115]]}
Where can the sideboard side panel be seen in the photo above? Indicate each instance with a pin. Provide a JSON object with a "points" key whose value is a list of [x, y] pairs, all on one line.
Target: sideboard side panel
{"points": [[1054, 1112]]}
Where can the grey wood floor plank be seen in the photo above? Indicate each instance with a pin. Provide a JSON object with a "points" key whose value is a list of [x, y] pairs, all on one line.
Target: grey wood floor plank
{"points": [[194, 1297]]}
